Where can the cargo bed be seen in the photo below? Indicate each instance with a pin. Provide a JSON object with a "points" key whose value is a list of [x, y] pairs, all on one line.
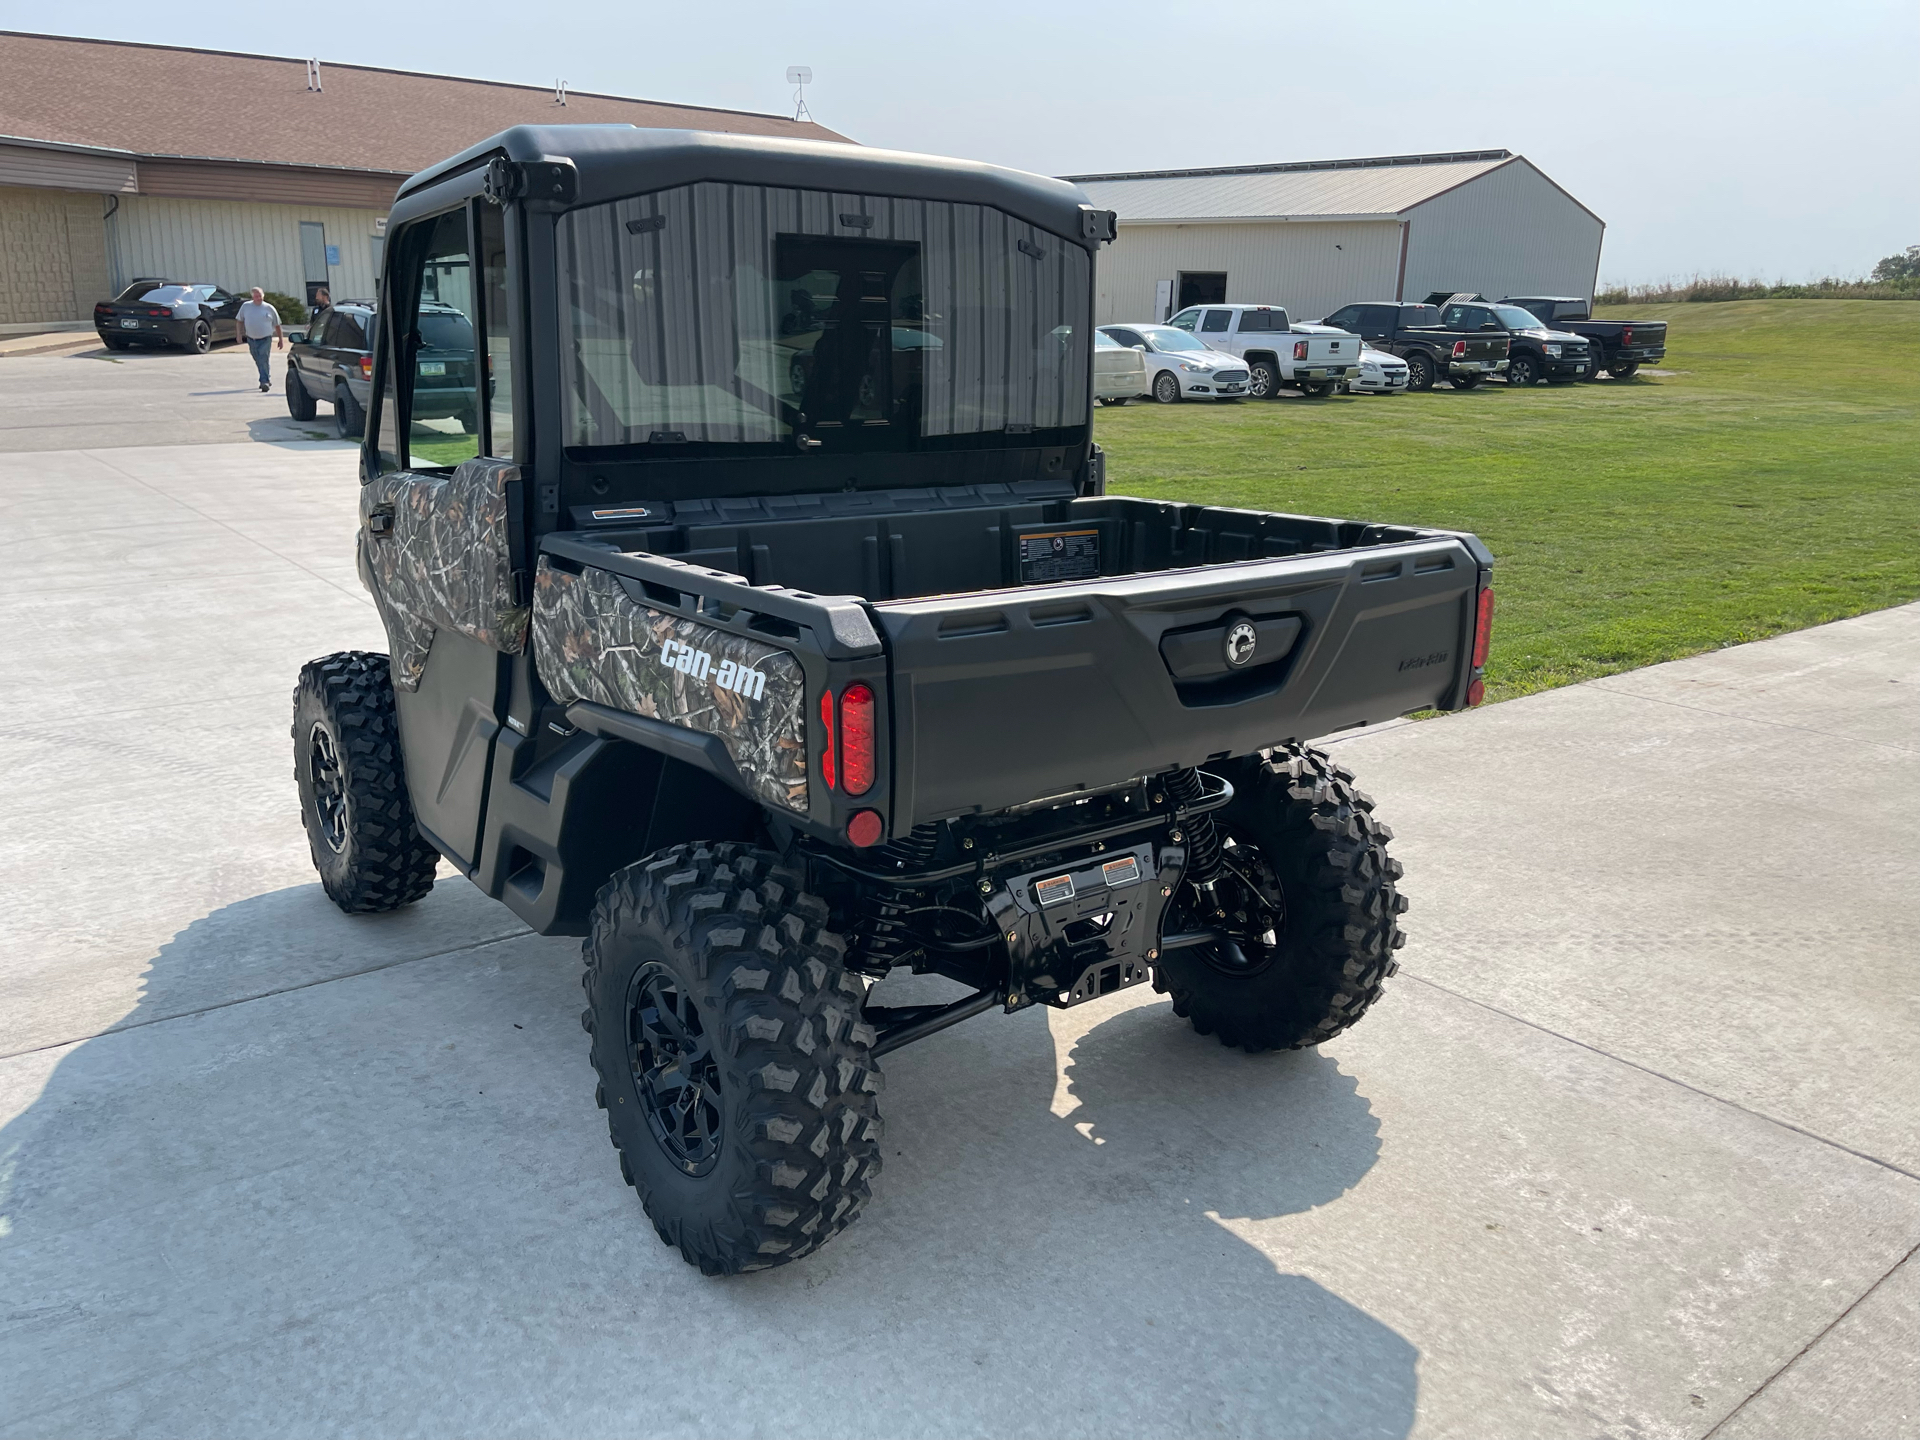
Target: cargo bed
{"points": [[1031, 643]]}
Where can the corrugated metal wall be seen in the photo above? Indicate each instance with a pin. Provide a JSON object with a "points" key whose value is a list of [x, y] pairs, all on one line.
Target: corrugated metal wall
{"points": [[237, 244], [1510, 232], [1311, 267]]}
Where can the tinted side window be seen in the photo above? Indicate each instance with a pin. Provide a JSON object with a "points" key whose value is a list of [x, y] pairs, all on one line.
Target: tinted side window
{"points": [[1344, 319], [1419, 315], [1255, 322], [1184, 320], [1473, 317], [344, 332], [1454, 317], [1126, 337], [1217, 322], [1376, 319]]}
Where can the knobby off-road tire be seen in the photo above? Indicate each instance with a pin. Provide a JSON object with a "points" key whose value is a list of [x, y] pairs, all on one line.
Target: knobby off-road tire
{"points": [[736, 1073], [1318, 839], [353, 787], [349, 420]]}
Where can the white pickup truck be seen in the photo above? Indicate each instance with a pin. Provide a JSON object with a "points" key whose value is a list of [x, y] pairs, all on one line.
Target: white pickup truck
{"points": [[1314, 359]]}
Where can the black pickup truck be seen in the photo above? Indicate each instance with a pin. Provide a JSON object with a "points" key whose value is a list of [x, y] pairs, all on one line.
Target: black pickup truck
{"points": [[1536, 351], [772, 680], [1620, 347], [1432, 351]]}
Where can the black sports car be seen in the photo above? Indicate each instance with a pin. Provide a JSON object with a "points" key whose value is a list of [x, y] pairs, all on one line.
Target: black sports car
{"points": [[152, 311]]}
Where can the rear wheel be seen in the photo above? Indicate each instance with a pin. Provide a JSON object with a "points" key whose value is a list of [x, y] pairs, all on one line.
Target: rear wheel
{"points": [[300, 405], [1316, 389], [1166, 388], [113, 344], [1114, 399], [348, 418], [1624, 369], [353, 786], [1307, 893], [1467, 382], [1523, 370], [1263, 380], [1421, 371], [736, 1073], [202, 337]]}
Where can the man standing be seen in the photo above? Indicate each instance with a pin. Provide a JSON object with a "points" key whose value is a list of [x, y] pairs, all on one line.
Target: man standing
{"points": [[259, 324]]}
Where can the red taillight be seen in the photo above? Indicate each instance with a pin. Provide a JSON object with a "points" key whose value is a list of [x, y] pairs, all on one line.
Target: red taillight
{"points": [[1626, 336], [1482, 630], [366, 367], [1459, 349], [864, 829], [102, 308], [826, 751], [160, 312], [856, 740], [1299, 349]]}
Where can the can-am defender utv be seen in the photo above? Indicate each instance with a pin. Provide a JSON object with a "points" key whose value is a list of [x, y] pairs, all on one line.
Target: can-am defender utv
{"points": [[773, 629]]}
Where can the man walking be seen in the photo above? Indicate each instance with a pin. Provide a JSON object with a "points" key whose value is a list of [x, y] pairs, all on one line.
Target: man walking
{"points": [[259, 325]]}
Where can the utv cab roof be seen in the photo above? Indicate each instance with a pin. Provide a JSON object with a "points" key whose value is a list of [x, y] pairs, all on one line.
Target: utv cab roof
{"points": [[615, 161]]}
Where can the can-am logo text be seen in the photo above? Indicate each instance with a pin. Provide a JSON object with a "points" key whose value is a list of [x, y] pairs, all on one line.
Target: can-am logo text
{"points": [[728, 675]]}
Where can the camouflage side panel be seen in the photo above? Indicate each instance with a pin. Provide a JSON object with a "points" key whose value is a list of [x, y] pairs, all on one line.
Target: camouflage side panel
{"points": [[443, 564], [592, 641]]}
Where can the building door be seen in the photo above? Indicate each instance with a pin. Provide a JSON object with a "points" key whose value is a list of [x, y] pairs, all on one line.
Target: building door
{"points": [[1202, 287], [1162, 299], [313, 256]]}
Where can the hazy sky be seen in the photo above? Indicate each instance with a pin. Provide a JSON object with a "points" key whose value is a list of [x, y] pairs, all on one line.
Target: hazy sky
{"points": [[1760, 139]]}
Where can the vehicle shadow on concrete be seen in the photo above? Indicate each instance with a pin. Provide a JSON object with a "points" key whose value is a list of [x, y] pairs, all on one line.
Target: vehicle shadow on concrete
{"points": [[284, 430], [291, 1200]]}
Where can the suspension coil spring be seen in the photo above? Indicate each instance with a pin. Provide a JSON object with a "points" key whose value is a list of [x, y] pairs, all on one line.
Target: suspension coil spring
{"points": [[1203, 840]]}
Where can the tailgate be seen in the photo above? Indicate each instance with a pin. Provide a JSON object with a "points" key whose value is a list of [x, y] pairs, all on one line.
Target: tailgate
{"points": [[1332, 350], [1006, 698], [1481, 347]]}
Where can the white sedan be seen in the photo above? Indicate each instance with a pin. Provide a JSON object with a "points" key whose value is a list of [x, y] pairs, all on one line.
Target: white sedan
{"points": [[1380, 373], [1179, 367], [1119, 372]]}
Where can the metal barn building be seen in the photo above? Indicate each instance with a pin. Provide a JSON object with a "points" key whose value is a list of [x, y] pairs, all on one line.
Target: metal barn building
{"points": [[119, 161], [1315, 235]]}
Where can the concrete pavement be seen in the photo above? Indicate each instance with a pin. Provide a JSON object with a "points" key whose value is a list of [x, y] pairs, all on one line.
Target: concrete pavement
{"points": [[1627, 1150]]}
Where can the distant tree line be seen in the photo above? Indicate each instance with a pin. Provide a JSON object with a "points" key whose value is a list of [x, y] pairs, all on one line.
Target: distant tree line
{"points": [[1895, 278]]}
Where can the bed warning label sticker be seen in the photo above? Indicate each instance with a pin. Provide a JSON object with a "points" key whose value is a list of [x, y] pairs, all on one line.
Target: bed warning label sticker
{"points": [[1059, 555]]}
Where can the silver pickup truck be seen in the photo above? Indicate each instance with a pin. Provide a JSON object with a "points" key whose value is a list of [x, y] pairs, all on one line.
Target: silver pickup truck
{"points": [[1313, 359]]}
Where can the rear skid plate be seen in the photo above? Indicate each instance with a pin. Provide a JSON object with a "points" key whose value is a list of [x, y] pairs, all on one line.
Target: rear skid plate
{"points": [[1078, 933]]}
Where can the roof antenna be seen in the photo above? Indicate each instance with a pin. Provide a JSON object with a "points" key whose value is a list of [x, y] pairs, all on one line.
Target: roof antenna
{"points": [[313, 75], [800, 76], [559, 92]]}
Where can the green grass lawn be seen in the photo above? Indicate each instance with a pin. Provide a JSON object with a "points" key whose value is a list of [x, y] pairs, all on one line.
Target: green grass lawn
{"points": [[1770, 481]]}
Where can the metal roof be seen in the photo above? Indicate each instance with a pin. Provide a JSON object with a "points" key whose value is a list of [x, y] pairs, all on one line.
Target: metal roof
{"points": [[1382, 186]]}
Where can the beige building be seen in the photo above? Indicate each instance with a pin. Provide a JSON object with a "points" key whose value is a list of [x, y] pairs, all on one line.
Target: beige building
{"points": [[123, 161], [1316, 235]]}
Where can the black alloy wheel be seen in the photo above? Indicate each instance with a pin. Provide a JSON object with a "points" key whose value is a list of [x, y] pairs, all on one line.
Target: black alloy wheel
{"points": [[1166, 388], [1523, 370], [1252, 908], [202, 337], [1263, 380], [674, 1070], [1421, 372], [329, 787]]}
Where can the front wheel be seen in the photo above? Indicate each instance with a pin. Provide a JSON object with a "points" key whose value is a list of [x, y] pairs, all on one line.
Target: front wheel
{"points": [[202, 337], [1166, 388], [1523, 370], [736, 1073], [300, 404], [1306, 892], [1263, 380], [353, 786]]}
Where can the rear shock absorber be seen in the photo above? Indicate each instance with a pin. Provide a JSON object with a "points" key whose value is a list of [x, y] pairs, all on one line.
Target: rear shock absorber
{"points": [[1203, 839]]}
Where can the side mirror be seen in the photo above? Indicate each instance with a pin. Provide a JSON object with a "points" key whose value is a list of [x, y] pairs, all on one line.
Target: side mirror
{"points": [[1141, 348], [296, 337]]}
